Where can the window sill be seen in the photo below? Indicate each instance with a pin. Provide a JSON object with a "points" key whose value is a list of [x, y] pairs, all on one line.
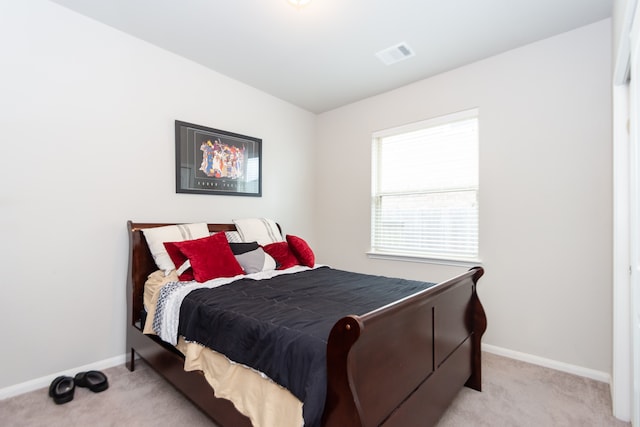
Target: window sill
{"points": [[413, 258]]}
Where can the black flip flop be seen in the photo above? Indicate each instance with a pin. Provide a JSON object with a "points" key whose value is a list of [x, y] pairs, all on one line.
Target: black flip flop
{"points": [[62, 389], [95, 381]]}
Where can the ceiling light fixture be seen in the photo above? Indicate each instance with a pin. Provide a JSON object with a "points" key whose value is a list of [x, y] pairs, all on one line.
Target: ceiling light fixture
{"points": [[299, 3]]}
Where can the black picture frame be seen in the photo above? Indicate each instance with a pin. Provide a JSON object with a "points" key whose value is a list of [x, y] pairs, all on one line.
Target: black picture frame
{"points": [[214, 161]]}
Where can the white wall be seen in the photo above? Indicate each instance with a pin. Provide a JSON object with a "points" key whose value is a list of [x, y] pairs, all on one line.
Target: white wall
{"points": [[87, 141], [545, 190], [87, 112]]}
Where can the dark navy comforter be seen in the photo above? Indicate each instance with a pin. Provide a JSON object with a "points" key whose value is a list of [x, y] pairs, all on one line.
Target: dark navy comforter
{"points": [[280, 326]]}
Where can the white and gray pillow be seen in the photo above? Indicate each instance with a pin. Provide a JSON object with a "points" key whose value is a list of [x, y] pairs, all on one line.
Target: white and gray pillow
{"points": [[256, 261]]}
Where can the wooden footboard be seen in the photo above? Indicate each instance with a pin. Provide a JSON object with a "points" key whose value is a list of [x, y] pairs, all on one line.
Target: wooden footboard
{"points": [[401, 365]]}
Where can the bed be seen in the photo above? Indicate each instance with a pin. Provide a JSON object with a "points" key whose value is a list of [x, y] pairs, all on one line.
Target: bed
{"points": [[398, 365]]}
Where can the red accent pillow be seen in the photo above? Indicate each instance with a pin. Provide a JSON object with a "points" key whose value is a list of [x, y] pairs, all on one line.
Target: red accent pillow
{"points": [[178, 259], [210, 257], [282, 254], [301, 250]]}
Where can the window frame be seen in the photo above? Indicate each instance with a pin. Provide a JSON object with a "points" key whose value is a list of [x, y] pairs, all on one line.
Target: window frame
{"points": [[412, 127]]}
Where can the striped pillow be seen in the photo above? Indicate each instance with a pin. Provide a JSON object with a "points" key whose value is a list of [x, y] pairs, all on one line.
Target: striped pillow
{"points": [[261, 230], [156, 237]]}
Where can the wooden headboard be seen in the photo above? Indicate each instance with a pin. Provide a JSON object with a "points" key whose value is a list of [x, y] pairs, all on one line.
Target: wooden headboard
{"points": [[141, 263]]}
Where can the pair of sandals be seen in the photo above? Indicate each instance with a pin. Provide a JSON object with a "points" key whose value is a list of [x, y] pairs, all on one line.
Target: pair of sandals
{"points": [[62, 388]]}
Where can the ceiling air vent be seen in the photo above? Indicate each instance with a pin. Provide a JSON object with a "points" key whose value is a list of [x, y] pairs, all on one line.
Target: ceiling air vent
{"points": [[394, 54]]}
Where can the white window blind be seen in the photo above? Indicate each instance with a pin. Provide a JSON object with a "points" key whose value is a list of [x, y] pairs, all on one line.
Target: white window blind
{"points": [[425, 189]]}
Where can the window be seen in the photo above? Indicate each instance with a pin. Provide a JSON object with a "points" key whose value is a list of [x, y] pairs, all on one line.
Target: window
{"points": [[424, 200]]}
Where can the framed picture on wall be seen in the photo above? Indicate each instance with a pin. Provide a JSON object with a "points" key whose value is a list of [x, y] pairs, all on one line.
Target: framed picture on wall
{"points": [[213, 161]]}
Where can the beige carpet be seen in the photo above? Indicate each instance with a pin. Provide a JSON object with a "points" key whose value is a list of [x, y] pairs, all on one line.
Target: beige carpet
{"points": [[520, 394], [514, 394]]}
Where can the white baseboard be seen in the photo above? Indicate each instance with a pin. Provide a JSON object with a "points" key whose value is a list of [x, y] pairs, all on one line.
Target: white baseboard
{"points": [[549, 363], [42, 382]]}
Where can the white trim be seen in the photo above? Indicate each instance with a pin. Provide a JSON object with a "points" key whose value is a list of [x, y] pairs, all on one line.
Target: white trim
{"points": [[622, 360], [634, 203], [548, 363], [43, 382], [426, 260], [621, 369]]}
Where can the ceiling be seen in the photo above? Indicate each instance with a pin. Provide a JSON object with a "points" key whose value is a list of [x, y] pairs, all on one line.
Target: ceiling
{"points": [[322, 56]]}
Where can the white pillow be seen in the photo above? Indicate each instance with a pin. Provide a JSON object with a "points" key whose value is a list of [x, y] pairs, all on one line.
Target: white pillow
{"points": [[261, 230], [171, 233]]}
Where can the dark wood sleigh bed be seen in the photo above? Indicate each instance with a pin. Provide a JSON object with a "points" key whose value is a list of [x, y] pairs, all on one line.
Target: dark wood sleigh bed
{"points": [[399, 365]]}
